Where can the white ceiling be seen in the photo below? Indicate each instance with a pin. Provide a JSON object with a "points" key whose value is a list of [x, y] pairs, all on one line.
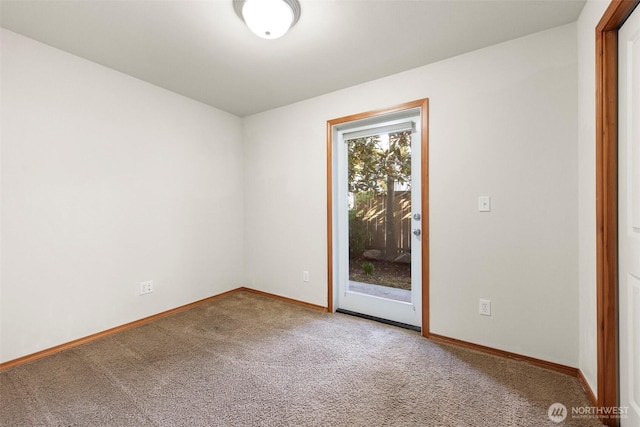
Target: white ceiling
{"points": [[202, 50]]}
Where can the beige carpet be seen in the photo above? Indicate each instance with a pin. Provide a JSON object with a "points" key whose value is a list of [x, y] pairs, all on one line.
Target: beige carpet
{"points": [[248, 360]]}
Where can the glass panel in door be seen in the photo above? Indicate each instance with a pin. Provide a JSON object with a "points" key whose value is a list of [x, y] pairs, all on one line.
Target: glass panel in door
{"points": [[380, 215]]}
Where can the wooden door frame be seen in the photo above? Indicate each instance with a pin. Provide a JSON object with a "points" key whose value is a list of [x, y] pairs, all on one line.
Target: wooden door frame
{"points": [[423, 104], [607, 200]]}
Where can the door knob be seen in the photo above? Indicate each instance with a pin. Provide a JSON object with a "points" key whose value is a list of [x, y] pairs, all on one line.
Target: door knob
{"points": [[417, 231]]}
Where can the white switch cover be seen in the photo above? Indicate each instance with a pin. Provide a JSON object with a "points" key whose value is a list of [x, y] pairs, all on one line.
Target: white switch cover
{"points": [[484, 204]]}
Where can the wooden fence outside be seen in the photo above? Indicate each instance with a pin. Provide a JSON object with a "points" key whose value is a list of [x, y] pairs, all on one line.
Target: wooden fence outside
{"points": [[373, 213]]}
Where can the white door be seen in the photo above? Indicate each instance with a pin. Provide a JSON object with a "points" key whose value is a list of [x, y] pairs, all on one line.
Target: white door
{"points": [[629, 217], [378, 241]]}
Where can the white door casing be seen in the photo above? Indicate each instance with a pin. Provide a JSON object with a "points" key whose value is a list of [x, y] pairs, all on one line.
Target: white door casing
{"points": [[629, 218]]}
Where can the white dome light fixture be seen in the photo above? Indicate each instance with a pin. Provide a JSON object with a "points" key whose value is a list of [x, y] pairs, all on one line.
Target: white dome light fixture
{"points": [[269, 19]]}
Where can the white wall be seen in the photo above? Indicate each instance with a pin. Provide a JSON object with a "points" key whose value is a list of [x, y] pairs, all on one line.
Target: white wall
{"points": [[108, 181], [503, 122], [589, 18]]}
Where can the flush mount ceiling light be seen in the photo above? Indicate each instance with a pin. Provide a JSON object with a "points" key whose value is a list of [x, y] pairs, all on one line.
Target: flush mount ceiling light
{"points": [[268, 19]]}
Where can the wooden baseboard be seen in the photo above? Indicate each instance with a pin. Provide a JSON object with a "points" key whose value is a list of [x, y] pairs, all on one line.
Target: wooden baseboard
{"points": [[49, 351], [563, 369], [434, 337], [587, 389], [53, 350], [285, 299]]}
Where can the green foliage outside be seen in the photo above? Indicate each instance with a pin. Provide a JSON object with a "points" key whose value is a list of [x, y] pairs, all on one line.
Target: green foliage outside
{"points": [[358, 234], [375, 165], [368, 268]]}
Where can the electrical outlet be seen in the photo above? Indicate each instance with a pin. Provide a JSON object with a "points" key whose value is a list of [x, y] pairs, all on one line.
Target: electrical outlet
{"points": [[485, 307], [146, 287], [305, 276]]}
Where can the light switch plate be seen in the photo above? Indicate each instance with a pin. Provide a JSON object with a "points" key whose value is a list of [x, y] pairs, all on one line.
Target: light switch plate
{"points": [[484, 204]]}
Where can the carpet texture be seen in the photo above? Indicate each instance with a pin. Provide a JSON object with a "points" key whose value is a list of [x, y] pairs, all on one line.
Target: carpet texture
{"points": [[249, 360]]}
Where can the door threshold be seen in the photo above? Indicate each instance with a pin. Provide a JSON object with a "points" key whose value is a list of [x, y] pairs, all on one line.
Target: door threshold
{"points": [[381, 320]]}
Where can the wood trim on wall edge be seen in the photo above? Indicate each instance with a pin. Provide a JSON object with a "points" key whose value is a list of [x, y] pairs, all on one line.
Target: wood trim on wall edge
{"points": [[557, 367], [329, 177], [58, 348], [606, 35], [281, 298], [423, 104], [71, 344], [587, 389], [433, 337], [426, 233], [552, 366]]}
